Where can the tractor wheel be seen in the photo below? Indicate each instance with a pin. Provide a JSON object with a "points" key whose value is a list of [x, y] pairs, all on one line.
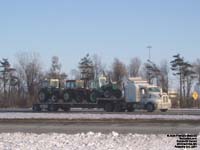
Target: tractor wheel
{"points": [[107, 94], [66, 97], [54, 98], [42, 96], [117, 93], [108, 107], [93, 96]]}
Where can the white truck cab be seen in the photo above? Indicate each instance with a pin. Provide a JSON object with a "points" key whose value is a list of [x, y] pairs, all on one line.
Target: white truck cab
{"points": [[146, 96]]}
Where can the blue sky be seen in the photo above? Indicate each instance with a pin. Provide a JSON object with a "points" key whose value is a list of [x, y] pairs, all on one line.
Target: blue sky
{"points": [[110, 28]]}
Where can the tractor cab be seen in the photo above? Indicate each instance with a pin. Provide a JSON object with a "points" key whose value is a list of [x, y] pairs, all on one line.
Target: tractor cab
{"points": [[51, 83], [74, 84]]}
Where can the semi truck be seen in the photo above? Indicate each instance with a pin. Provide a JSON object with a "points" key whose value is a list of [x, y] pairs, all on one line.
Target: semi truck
{"points": [[137, 94]]}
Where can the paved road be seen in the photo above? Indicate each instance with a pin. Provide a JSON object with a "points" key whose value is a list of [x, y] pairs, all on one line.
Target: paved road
{"points": [[97, 111], [124, 128]]}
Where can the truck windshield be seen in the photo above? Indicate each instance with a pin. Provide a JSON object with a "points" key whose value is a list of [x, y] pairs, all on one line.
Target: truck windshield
{"points": [[154, 89]]}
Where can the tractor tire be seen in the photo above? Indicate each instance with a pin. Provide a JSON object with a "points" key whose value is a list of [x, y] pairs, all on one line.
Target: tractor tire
{"points": [[108, 107], [42, 96], [117, 93], [54, 98], [66, 97], [107, 94], [150, 107], [93, 96]]}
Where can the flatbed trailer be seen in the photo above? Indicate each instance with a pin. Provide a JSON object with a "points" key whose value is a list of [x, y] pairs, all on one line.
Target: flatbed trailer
{"points": [[108, 104]]}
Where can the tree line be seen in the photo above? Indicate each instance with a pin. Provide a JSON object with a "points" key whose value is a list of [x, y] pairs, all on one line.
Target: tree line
{"points": [[20, 82]]}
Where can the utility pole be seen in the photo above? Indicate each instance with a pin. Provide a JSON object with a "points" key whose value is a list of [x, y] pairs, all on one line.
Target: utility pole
{"points": [[149, 74], [149, 47]]}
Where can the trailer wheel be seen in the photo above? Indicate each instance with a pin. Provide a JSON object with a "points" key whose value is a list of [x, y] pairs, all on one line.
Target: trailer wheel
{"points": [[52, 108], [117, 107], [130, 109], [66, 109], [150, 107], [36, 108], [108, 107]]}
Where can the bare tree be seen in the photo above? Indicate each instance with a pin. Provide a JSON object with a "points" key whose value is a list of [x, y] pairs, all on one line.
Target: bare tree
{"points": [[164, 75], [119, 71], [98, 66], [29, 71], [134, 67]]}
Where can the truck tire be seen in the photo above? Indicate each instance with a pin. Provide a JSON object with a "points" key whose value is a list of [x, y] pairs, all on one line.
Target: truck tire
{"points": [[108, 107], [42, 96], [66, 97], [163, 110], [150, 107]]}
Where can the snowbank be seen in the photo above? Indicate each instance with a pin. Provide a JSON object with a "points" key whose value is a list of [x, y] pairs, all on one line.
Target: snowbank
{"points": [[89, 141], [70, 116]]}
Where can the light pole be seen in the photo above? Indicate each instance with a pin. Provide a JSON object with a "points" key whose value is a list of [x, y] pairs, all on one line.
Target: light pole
{"points": [[149, 47]]}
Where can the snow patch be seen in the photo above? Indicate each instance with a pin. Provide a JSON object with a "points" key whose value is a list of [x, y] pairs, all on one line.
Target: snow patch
{"points": [[87, 141], [71, 116]]}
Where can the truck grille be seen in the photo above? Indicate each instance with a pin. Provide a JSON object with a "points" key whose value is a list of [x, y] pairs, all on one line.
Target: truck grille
{"points": [[165, 99]]}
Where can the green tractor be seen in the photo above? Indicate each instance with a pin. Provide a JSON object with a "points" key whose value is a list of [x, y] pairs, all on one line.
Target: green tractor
{"points": [[75, 92], [101, 88], [50, 91]]}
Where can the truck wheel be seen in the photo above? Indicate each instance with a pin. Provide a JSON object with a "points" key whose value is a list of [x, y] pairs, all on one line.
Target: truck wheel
{"points": [[108, 107], [117, 108], [42, 96], [150, 107], [52, 108], [66, 97], [36, 108], [163, 110]]}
